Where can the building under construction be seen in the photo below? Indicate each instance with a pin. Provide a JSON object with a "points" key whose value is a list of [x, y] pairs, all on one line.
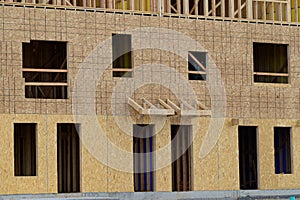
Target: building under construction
{"points": [[149, 95]]}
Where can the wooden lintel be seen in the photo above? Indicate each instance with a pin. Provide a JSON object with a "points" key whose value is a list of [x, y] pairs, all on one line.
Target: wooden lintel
{"points": [[164, 112], [298, 123]]}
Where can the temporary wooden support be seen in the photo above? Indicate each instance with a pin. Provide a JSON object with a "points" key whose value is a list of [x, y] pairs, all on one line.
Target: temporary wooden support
{"points": [[149, 109], [45, 84], [191, 111], [44, 70]]}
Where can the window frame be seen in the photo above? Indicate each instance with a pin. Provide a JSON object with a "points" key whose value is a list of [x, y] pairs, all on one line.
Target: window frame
{"points": [[125, 72], [271, 74], [200, 73], [39, 70]]}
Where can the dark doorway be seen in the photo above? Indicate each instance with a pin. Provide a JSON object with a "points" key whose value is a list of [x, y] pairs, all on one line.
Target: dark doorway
{"points": [[68, 164], [25, 149], [248, 157], [143, 160], [182, 170]]}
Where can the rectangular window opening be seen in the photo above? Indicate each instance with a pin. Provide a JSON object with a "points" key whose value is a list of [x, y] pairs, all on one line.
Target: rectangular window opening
{"points": [[68, 158], [25, 149], [181, 145], [270, 63], [247, 137], [282, 150], [45, 69], [197, 62], [143, 159], [122, 55]]}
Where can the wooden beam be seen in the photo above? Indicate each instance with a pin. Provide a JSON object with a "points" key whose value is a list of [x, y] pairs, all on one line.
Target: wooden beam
{"points": [[202, 106], [45, 84], [205, 7], [173, 105], [270, 74], [45, 70], [222, 8], [213, 7], [164, 104], [186, 8], [231, 8], [135, 105], [168, 6], [288, 11], [178, 6], [249, 9]]}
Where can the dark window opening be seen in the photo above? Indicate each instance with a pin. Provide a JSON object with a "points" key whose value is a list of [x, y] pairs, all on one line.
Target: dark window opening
{"points": [[197, 62], [248, 157], [68, 155], [270, 63], [25, 149], [45, 69], [181, 136], [282, 146], [143, 160], [122, 56]]}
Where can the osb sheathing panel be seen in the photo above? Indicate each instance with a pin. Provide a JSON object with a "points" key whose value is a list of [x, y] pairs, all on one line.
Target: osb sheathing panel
{"points": [[216, 171], [230, 47]]}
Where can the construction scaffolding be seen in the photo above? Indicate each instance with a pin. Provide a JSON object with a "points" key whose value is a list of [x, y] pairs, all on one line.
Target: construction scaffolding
{"points": [[265, 10]]}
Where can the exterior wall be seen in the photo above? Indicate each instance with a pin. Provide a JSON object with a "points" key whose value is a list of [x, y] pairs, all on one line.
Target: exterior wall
{"points": [[228, 43]]}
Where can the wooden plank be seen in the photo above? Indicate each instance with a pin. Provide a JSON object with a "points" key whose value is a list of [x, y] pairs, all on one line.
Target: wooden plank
{"points": [[186, 8], [168, 7], [205, 7], [45, 84], [270, 74], [288, 11], [178, 6], [135, 105], [264, 11], [249, 9], [272, 11], [197, 61], [164, 104], [222, 8], [231, 8], [122, 69], [196, 72], [213, 7], [197, 7], [173, 105], [45, 70], [239, 9]]}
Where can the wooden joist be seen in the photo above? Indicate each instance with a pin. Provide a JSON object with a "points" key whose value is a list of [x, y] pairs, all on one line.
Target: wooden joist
{"points": [[151, 110], [191, 111]]}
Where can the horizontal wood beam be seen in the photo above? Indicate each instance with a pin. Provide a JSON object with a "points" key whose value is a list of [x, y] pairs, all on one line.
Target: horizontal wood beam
{"points": [[45, 84], [44, 70]]}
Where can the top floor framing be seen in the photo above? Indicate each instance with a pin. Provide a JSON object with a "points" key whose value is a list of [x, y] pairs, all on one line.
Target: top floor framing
{"points": [[282, 11]]}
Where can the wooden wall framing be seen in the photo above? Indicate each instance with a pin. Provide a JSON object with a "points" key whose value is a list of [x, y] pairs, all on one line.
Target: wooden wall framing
{"points": [[266, 10]]}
